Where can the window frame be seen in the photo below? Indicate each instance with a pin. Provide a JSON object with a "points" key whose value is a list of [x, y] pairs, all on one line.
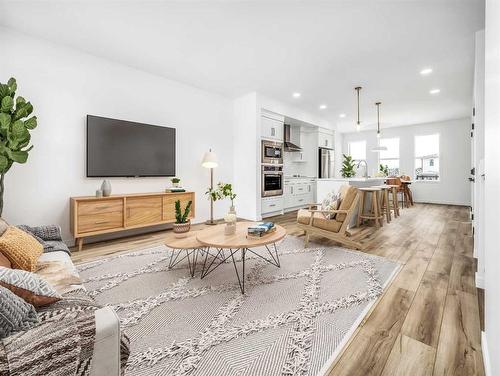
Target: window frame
{"points": [[355, 142], [380, 159], [438, 158]]}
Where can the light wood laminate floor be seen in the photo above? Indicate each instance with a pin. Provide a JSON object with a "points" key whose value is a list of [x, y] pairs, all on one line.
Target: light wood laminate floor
{"points": [[426, 323]]}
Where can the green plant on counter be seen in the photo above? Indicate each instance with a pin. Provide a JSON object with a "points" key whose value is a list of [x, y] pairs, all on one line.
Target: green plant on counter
{"points": [[384, 169], [348, 167], [226, 191], [15, 127], [175, 180], [179, 216]]}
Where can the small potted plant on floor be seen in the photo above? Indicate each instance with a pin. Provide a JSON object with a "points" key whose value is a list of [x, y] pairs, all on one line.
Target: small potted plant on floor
{"points": [[182, 223]]}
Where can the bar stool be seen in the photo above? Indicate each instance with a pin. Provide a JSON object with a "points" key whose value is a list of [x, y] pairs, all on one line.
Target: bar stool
{"points": [[374, 213], [385, 208], [393, 199]]}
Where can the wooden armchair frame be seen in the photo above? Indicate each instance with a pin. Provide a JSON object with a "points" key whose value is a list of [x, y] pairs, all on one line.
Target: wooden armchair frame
{"points": [[343, 236]]}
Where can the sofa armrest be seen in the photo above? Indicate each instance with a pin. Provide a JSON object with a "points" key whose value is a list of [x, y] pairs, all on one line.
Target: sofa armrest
{"points": [[106, 356]]}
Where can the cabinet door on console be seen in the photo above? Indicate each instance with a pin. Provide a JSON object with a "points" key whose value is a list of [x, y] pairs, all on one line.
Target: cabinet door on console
{"points": [[143, 210], [169, 205]]}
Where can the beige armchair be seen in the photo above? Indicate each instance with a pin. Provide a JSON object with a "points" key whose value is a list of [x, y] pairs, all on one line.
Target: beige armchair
{"points": [[332, 224]]}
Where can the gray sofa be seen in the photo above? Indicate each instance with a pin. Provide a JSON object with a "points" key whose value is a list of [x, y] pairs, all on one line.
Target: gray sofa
{"points": [[106, 354], [55, 266]]}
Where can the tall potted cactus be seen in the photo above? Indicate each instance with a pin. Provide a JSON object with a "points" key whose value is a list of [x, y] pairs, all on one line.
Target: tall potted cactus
{"points": [[15, 127]]}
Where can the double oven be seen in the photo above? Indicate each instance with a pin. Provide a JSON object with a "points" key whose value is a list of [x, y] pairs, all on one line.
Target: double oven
{"points": [[272, 168]]}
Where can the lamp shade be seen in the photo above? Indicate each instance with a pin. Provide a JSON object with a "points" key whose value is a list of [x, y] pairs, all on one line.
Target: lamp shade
{"points": [[210, 160]]}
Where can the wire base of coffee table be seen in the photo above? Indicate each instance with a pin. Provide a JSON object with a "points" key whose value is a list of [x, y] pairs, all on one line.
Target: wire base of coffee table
{"points": [[209, 267]]}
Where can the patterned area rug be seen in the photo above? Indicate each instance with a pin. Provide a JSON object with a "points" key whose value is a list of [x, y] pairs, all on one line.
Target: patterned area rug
{"points": [[292, 320]]}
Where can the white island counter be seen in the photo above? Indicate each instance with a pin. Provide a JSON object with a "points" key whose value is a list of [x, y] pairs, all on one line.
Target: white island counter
{"points": [[327, 185]]}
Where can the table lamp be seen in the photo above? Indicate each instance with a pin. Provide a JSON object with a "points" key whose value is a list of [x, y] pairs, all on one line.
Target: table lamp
{"points": [[210, 161]]}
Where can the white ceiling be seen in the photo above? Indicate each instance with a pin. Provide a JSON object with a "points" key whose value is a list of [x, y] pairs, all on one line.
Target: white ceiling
{"points": [[322, 49]]}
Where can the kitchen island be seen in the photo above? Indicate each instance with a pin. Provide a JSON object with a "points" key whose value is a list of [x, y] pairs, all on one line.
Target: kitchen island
{"points": [[327, 185]]}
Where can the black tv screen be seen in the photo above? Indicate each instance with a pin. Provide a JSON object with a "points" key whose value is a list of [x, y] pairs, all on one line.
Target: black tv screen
{"points": [[124, 148]]}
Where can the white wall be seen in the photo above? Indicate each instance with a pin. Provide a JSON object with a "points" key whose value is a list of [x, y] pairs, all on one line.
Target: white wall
{"points": [[453, 186], [64, 86], [246, 163], [492, 188]]}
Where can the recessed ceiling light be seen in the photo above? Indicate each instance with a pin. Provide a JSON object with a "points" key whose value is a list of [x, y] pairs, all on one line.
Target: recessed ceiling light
{"points": [[435, 91], [342, 116], [296, 95], [426, 71], [322, 107]]}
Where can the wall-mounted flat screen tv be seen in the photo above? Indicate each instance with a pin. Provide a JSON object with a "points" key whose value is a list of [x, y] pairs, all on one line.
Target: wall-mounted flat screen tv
{"points": [[118, 148]]}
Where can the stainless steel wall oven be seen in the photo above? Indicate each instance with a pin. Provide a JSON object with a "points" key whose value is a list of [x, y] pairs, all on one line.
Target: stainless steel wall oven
{"points": [[272, 181]]}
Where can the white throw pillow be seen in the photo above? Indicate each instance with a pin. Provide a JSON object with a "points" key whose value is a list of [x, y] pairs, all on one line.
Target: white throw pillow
{"points": [[331, 202]]}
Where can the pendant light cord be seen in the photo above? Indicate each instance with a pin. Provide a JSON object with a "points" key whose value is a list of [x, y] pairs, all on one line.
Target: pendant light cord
{"points": [[378, 116], [358, 88]]}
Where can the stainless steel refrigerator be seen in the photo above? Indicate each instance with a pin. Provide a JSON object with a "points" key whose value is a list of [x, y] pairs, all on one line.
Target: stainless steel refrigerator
{"points": [[326, 163]]}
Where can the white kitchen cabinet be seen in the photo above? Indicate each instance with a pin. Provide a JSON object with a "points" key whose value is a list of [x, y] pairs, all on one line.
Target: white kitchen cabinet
{"points": [[298, 193], [325, 140], [272, 128], [271, 205]]}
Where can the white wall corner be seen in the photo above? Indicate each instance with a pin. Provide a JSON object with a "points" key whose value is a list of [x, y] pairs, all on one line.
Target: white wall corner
{"points": [[486, 355], [479, 280]]}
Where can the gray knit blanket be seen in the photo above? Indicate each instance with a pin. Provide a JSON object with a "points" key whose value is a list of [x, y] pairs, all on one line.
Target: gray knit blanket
{"points": [[62, 344], [49, 236]]}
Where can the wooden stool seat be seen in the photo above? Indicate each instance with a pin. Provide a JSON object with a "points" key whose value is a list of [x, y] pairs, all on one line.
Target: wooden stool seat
{"points": [[375, 212]]}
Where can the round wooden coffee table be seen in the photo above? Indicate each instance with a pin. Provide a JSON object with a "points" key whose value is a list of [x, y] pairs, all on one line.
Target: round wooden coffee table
{"points": [[214, 237], [190, 245]]}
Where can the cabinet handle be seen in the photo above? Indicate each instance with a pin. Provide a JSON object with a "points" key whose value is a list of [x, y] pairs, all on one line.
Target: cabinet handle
{"points": [[272, 205], [273, 131], [326, 142], [100, 222], [291, 190]]}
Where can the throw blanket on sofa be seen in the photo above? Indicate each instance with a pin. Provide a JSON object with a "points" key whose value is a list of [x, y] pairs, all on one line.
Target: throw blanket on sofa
{"points": [[48, 236], [61, 345]]}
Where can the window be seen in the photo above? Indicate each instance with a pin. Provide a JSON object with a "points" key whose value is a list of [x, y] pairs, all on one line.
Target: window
{"points": [[390, 157], [427, 157], [357, 150]]}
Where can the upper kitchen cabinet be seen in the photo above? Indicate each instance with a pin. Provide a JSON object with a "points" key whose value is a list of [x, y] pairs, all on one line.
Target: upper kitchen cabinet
{"points": [[326, 138], [272, 126]]}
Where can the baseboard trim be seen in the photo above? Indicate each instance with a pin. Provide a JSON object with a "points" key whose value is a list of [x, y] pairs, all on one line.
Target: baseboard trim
{"points": [[479, 281], [486, 355], [441, 202]]}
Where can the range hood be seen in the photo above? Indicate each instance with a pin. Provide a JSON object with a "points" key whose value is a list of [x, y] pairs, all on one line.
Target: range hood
{"points": [[289, 145]]}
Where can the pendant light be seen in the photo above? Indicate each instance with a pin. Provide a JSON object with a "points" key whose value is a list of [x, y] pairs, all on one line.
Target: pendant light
{"points": [[378, 148], [358, 123], [378, 118]]}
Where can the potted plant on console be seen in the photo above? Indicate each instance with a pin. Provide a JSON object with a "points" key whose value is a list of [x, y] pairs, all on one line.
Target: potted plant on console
{"points": [[182, 222], [175, 182]]}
